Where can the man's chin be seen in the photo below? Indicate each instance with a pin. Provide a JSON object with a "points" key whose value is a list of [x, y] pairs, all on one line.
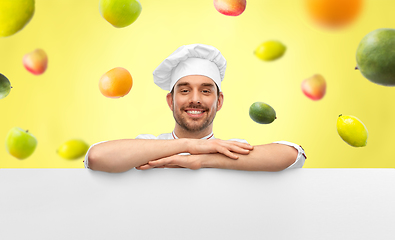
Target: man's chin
{"points": [[193, 128]]}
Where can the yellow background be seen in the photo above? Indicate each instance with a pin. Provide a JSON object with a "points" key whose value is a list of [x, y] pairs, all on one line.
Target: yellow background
{"points": [[65, 102]]}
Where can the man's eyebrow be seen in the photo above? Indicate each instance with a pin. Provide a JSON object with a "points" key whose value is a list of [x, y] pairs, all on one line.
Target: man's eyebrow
{"points": [[208, 84], [187, 84], [182, 84]]}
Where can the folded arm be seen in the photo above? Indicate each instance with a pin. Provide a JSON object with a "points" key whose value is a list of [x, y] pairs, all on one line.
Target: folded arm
{"points": [[125, 154], [269, 157]]}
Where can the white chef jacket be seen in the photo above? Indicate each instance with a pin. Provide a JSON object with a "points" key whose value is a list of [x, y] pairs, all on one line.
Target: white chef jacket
{"points": [[299, 162]]}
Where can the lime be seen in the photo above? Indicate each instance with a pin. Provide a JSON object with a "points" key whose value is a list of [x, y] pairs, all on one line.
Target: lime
{"points": [[5, 86], [270, 50], [73, 149], [262, 113], [352, 130]]}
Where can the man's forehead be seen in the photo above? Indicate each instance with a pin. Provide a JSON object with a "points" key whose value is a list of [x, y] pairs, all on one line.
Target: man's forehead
{"points": [[195, 80]]}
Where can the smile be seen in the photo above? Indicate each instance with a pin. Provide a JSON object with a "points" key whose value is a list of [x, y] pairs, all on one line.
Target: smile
{"points": [[195, 113]]}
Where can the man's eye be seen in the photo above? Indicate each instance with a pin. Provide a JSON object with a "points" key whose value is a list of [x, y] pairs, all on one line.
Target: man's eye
{"points": [[183, 91], [206, 91]]}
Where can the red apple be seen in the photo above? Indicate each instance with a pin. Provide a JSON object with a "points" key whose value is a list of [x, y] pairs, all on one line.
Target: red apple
{"points": [[314, 87], [36, 62], [230, 7]]}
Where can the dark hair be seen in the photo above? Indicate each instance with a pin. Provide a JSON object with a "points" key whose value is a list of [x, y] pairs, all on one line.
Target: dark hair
{"points": [[172, 91]]}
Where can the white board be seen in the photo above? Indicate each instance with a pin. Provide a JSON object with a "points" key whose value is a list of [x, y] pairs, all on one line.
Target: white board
{"points": [[65, 204]]}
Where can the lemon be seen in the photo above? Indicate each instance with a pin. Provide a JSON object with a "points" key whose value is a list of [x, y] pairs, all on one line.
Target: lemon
{"points": [[14, 15], [270, 50], [73, 149], [352, 130], [262, 113]]}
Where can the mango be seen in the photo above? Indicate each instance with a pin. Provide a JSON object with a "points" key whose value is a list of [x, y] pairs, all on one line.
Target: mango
{"points": [[230, 7], [376, 58]]}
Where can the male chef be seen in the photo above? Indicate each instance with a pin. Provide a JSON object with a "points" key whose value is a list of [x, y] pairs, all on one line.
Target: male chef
{"points": [[193, 75]]}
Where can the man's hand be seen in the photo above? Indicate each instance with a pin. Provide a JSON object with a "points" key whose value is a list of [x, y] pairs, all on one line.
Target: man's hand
{"points": [[226, 147], [196, 147], [176, 161]]}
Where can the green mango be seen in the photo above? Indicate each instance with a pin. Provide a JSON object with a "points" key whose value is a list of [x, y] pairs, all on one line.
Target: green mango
{"points": [[262, 113], [5, 86], [376, 56]]}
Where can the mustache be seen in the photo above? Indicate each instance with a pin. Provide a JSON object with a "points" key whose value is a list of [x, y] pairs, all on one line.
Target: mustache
{"points": [[195, 106]]}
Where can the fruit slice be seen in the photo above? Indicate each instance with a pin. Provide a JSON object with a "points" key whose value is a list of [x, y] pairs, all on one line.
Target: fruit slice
{"points": [[270, 50], [262, 113], [73, 149], [230, 7], [314, 87], [116, 83], [36, 62], [352, 130], [15, 15], [376, 58], [19, 143], [120, 13], [5, 86]]}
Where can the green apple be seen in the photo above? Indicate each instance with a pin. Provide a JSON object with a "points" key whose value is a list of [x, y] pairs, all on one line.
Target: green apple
{"points": [[5, 86], [20, 143], [120, 13], [14, 15], [73, 149]]}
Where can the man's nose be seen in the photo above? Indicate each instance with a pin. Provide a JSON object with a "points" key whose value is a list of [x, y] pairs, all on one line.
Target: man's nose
{"points": [[195, 97]]}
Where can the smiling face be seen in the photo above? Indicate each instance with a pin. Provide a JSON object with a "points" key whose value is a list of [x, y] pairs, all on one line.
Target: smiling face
{"points": [[194, 104]]}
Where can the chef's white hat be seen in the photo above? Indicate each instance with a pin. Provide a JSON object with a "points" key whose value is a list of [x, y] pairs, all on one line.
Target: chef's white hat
{"points": [[194, 59]]}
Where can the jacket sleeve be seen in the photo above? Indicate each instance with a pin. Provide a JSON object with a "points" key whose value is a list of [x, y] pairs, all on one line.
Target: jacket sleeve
{"points": [[86, 163], [300, 159]]}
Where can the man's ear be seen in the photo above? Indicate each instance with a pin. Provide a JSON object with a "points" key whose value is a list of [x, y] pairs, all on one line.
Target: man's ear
{"points": [[220, 101], [169, 99]]}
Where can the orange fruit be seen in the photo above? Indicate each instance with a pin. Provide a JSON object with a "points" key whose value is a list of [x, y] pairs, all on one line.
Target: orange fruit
{"points": [[116, 83], [333, 13]]}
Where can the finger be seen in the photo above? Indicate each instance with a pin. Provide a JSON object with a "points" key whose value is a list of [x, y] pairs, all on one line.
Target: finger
{"points": [[172, 166], [237, 149], [160, 162], [242, 145], [144, 167], [227, 153]]}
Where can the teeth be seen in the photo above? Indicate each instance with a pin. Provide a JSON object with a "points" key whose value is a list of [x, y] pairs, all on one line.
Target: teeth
{"points": [[195, 112]]}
